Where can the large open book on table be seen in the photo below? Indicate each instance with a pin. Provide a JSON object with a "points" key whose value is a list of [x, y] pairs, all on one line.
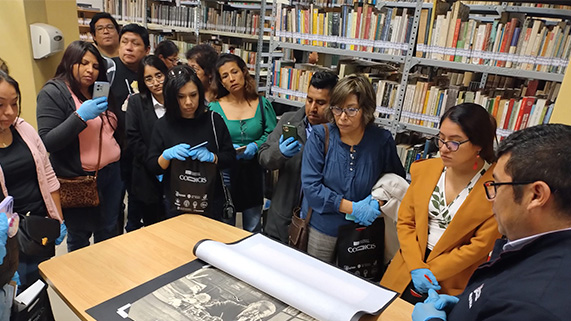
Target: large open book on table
{"points": [[253, 279]]}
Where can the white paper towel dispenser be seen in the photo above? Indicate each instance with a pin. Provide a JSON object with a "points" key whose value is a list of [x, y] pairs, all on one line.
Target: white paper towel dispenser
{"points": [[46, 40]]}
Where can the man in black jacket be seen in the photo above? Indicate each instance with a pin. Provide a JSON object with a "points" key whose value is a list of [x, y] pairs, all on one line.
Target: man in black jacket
{"points": [[285, 154], [134, 45], [528, 276]]}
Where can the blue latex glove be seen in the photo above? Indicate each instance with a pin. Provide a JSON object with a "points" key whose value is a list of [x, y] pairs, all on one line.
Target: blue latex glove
{"points": [[427, 311], [202, 154], [180, 152], [441, 301], [289, 147], [16, 278], [3, 235], [62, 233], [250, 151], [92, 108], [238, 155], [421, 283], [160, 178], [365, 212]]}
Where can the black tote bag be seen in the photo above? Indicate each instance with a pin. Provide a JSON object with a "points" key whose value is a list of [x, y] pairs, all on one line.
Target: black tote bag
{"points": [[360, 249], [192, 186]]}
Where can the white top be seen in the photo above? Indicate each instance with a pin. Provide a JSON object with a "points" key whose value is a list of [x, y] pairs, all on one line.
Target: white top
{"points": [[160, 110], [441, 214]]}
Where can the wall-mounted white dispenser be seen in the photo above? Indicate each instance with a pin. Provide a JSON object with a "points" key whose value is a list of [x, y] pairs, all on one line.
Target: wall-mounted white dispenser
{"points": [[46, 40]]}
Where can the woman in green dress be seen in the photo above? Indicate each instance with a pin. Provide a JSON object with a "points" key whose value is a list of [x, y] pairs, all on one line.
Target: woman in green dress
{"points": [[250, 119]]}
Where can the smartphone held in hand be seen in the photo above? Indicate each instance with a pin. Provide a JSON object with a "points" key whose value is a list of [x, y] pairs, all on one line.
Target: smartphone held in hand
{"points": [[100, 89], [290, 131]]}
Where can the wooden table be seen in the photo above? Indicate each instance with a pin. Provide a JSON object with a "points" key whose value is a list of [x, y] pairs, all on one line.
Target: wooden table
{"points": [[97, 273]]}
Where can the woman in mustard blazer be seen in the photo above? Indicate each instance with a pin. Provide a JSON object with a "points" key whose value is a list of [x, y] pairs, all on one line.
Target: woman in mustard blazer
{"points": [[446, 226]]}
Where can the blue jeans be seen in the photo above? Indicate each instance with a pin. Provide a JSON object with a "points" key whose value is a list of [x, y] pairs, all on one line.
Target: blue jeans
{"points": [[251, 217], [101, 221], [6, 299]]}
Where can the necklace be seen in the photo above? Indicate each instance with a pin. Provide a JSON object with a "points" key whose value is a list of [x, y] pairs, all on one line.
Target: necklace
{"points": [[5, 138]]}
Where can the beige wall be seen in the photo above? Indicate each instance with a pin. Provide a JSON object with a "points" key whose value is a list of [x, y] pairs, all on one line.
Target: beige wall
{"points": [[562, 110], [16, 50]]}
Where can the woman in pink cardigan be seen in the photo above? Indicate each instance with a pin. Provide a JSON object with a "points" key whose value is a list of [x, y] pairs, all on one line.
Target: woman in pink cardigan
{"points": [[25, 172]]}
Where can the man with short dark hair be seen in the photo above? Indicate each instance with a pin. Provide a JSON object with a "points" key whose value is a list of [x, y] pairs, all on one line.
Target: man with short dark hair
{"points": [[133, 47], [105, 31], [528, 275], [285, 154]]}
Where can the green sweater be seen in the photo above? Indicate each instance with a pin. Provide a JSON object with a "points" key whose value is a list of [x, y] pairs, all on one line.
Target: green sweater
{"points": [[249, 130]]}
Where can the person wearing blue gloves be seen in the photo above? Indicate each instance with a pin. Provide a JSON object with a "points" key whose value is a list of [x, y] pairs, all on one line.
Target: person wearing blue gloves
{"points": [[341, 181], [527, 277], [250, 119], [445, 226], [188, 123], [285, 155], [70, 123], [26, 173]]}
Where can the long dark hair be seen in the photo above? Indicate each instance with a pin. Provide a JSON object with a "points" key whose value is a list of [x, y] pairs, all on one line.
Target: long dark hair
{"points": [[11, 81], [73, 55], [250, 92], [166, 48], [177, 77], [477, 124], [152, 61]]}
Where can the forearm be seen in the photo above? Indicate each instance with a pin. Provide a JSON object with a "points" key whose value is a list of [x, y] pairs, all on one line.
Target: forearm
{"points": [[346, 206], [57, 201], [163, 163]]}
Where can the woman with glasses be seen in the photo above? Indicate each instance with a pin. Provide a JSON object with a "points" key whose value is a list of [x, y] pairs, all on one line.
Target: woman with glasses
{"points": [[202, 59], [445, 226], [167, 51], [27, 175], [188, 123], [82, 135], [250, 119], [338, 181], [144, 109]]}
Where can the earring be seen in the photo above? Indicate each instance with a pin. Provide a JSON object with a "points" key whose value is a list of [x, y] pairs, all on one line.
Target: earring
{"points": [[475, 167]]}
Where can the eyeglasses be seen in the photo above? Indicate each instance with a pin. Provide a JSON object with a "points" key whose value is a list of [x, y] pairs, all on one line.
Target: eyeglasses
{"points": [[173, 60], [109, 27], [451, 145], [150, 80], [337, 111], [491, 187]]}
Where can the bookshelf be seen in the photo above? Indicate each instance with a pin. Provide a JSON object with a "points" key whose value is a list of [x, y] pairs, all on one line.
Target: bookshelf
{"points": [[528, 42], [83, 19], [240, 25]]}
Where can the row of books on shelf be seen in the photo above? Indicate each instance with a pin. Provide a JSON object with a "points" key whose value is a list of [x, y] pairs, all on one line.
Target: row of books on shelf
{"points": [[244, 21], [362, 28], [333, 3], [182, 45], [409, 153], [86, 36], [531, 44], [173, 16], [424, 104], [126, 10]]}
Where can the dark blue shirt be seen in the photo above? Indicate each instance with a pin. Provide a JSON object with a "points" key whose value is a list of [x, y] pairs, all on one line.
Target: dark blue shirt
{"points": [[342, 173]]}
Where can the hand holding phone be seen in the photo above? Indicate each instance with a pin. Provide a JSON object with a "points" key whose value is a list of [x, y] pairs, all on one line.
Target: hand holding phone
{"points": [[240, 150]]}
